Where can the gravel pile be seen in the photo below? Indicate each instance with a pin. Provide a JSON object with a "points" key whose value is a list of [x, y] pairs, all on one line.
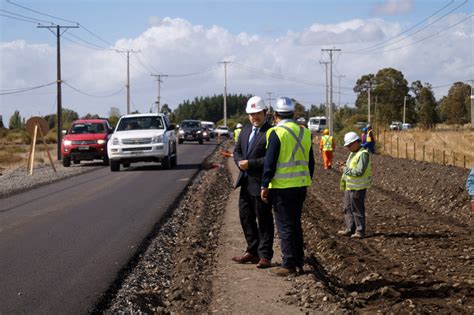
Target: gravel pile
{"points": [[17, 180]]}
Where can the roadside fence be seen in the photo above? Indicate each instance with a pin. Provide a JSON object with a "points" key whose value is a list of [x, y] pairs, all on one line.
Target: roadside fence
{"points": [[393, 144]]}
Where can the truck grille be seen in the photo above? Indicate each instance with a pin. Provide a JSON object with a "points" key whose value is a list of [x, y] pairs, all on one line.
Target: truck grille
{"points": [[136, 149], [82, 142], [136, 141]]}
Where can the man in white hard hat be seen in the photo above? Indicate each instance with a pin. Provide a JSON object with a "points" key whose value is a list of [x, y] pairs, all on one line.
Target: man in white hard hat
{"points": [[288, 169], [356, 179], [256, 216]]}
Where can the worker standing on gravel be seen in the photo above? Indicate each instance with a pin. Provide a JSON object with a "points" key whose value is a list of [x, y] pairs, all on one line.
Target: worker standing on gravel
{"points": [[256, 216], [470, 187], [326, 147], [238, 129], [288, 169], [369, 141], [355, 180]]}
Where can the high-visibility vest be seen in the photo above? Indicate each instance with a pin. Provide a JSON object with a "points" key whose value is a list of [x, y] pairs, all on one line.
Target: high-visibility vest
{"points": [[327, 143], [370, 136], [357, 182], [237, 133], [292, 165]]}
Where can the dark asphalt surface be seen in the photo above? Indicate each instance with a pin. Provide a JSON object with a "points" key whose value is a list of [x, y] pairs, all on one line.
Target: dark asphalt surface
{"points": [[62, 245]]}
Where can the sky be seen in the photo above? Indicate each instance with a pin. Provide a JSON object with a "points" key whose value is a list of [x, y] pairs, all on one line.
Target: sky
{"points": [[274, 48]]}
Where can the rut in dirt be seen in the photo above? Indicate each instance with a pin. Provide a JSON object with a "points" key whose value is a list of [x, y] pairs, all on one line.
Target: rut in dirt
{"points": [[418, 252]]}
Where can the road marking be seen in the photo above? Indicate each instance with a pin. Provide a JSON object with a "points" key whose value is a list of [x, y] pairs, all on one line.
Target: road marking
{"points": [[183, 179]]}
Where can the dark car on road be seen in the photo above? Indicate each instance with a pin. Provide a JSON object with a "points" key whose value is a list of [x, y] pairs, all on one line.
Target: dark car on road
{"points": [[191, 130]]}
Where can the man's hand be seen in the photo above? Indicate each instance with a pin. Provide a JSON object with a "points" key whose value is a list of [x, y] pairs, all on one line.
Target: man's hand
{"points": [[264, 194], [244, 165]]}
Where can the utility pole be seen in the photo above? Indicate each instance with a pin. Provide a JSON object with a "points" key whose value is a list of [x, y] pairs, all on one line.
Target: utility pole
{"points": [[158, 79], [325, 63], [270, 102], [369, 105], [128, 51], [339, 100], [225, 91], [404, 107], [58, 80], [330, 50]]}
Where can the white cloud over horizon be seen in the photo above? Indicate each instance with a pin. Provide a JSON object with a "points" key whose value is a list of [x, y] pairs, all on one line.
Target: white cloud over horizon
{"points": [[175, 46], [394, 7]]}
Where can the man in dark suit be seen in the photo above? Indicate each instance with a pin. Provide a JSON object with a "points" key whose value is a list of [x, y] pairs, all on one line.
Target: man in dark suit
{"points": [[256, 216]]}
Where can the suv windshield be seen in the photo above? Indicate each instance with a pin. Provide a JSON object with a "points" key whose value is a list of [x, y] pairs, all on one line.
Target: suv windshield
{"points": [[81, 128], [191, 124], [140, 123]]}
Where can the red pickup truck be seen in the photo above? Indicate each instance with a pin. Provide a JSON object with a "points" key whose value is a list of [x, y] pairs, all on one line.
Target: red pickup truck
{"points": [[86, 139]]}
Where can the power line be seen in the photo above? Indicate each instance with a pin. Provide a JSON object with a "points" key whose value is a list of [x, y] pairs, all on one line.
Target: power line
{"points": [[408, 29], [26, 17], [91, 95], [369, 51], [193, 73], [22, 90], [19, 19], [41, 13]]}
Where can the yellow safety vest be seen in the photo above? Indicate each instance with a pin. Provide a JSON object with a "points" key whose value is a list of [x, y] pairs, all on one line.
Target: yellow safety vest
{"points": [[369, 136], [292, 165], [237, 133], [357, 182], [327, 143]]}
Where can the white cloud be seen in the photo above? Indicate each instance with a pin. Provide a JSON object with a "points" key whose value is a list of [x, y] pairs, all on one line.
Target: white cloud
{"points": [[394, 7], [176, 46]]}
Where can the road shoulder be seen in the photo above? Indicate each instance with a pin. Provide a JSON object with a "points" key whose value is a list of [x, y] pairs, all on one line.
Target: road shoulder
{"points": [[242, 288]]}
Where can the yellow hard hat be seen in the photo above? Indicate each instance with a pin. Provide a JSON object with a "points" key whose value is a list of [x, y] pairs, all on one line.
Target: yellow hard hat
{"points": [[326, 131]]}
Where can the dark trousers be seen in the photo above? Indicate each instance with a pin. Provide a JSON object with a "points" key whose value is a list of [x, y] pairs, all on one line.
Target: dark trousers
{"points": [[354, 210], [288, 205], [256, 218]]}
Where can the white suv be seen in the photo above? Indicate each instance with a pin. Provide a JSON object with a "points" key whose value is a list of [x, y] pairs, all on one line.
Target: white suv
{"points": [[143, 138]]}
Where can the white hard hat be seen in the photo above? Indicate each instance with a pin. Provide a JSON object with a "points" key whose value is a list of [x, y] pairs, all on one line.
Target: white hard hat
{"points": [[284, 105], [255, 104], [239, 125], [350, 137]]}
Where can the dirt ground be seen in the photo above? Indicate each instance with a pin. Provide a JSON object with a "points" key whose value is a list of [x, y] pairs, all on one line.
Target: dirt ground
{"points": [[417, 256]]}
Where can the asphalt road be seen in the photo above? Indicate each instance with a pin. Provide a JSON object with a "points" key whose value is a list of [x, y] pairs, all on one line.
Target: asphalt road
{"points": [[61, 245]]}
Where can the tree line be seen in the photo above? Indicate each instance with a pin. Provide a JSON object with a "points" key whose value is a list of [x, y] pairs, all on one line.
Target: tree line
{"points": [[391, 97]]}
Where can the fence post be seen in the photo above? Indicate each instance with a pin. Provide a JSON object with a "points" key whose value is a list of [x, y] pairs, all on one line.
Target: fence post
{"points": [[444, 157], [414, 151], [454, 158], [398, 151], [406, 150], [433, 155]]}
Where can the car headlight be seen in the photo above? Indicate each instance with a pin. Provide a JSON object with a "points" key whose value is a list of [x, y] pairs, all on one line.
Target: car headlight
{"points": [[101, 141], [199, 131], [181, 132], [205, 134], [115, 141], [157, 139], [67, 142]]}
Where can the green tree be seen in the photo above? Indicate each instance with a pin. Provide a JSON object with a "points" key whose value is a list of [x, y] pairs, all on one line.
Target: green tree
{"points": [[16, 122], [114, 115], [2, 126], [426, 104], [455, 107], [389, 87]]}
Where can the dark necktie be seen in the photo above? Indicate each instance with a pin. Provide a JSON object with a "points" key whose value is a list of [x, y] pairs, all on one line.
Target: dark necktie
{"points": [[252, 139]]}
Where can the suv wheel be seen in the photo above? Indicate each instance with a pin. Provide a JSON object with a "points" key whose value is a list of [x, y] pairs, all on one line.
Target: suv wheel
{"points": [[200, 141], [174, 158], [114, 166], [105, 161], [66, 161], [180, 141]]}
